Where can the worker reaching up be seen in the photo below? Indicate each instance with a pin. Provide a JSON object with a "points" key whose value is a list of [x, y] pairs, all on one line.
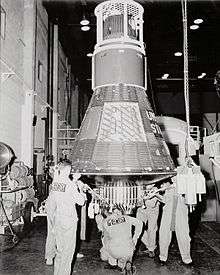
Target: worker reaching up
{"points": [[118, 242], [148, 214], [64, 195]]}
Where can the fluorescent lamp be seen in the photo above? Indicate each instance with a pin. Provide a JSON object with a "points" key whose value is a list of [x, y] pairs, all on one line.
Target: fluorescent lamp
{"points": [[165, 76], [84, 21], [85, 28], [198, 21], [89, 54], [194, 27], [178, 54], [202, 75]]}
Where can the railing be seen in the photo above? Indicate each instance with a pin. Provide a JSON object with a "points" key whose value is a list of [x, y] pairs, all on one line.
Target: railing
{"points": [[66, 137], [197, 133]]}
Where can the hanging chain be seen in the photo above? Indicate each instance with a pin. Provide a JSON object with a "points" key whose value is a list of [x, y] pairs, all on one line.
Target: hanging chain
{"points": [[186, 73]]}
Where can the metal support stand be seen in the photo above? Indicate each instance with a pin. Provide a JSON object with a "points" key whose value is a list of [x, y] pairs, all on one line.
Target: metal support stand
{"points": [[15, 238]]}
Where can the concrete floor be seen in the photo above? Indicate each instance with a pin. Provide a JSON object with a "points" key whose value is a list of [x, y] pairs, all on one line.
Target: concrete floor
{"points": [[27, 257]]}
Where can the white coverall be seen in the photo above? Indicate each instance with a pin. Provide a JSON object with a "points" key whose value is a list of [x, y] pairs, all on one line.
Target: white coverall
{"points": [[50, 248], [174, 217], [118, 243], [64, 195], [149, 215]]}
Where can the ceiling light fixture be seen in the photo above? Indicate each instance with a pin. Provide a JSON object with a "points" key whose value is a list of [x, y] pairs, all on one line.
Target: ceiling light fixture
{"points": [[84, 21], [165, 76], [89, 54], [194, 27], [178, 54], [198, 21], [85, 28], [202, 75]]}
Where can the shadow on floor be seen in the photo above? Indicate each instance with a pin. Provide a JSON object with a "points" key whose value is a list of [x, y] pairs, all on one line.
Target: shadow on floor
{"points": [[27, 257]]}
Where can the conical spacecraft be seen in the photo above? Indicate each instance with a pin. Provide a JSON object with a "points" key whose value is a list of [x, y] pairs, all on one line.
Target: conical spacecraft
{"points": [[119, 134]]}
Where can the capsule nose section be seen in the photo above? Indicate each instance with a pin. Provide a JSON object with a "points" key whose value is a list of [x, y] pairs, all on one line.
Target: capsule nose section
{"points": [[120, 136]]}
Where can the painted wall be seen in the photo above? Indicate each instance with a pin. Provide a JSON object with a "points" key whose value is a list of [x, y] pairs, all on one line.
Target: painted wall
{"points": [[12, 94], [41, 76], [63, 83], [24, 94]]}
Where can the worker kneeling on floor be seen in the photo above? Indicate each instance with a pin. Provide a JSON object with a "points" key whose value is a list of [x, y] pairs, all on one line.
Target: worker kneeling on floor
{"points": [[117, 240]]}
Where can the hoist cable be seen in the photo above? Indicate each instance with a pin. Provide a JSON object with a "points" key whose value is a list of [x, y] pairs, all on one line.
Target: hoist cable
{"points": [[186, 73]]}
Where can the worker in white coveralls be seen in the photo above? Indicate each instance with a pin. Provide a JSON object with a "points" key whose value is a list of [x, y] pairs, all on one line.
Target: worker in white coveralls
{"points": [[64, 195], [148, 214], [50, 206], [174, 218], [118, 242]]}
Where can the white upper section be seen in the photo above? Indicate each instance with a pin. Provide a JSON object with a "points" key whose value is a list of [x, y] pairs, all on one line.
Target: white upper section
{"points": [[119, 21]]}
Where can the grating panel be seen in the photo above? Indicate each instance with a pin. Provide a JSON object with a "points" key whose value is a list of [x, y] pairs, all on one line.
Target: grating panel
{"points": [[112, 8], [121, 122]]}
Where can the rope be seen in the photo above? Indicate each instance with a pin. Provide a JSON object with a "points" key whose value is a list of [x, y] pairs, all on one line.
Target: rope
{"points": [[186, 73], [151, 90], [214, 162]]}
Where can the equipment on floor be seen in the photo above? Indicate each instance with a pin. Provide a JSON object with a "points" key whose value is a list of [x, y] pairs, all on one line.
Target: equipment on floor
{"points": [[190, 182], [17, 201], [6, 156]]}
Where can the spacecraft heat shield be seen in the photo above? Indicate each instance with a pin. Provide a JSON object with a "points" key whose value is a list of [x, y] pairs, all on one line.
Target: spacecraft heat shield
{"points": [[119, 135]]}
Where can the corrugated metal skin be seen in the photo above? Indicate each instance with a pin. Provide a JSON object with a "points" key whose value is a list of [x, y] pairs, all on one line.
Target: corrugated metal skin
{"points": [[118, 151]]}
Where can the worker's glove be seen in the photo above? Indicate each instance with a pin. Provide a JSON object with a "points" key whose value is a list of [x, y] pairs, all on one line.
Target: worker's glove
{"points": [[140, 202], [85, 188], [151, 194], [75, 176], [82, 186]]}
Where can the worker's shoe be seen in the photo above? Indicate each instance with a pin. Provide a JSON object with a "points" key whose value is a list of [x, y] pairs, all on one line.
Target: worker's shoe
{"points": [[49, 262], [150, 254], [161, 262], [79, 255], [129, 269]]}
